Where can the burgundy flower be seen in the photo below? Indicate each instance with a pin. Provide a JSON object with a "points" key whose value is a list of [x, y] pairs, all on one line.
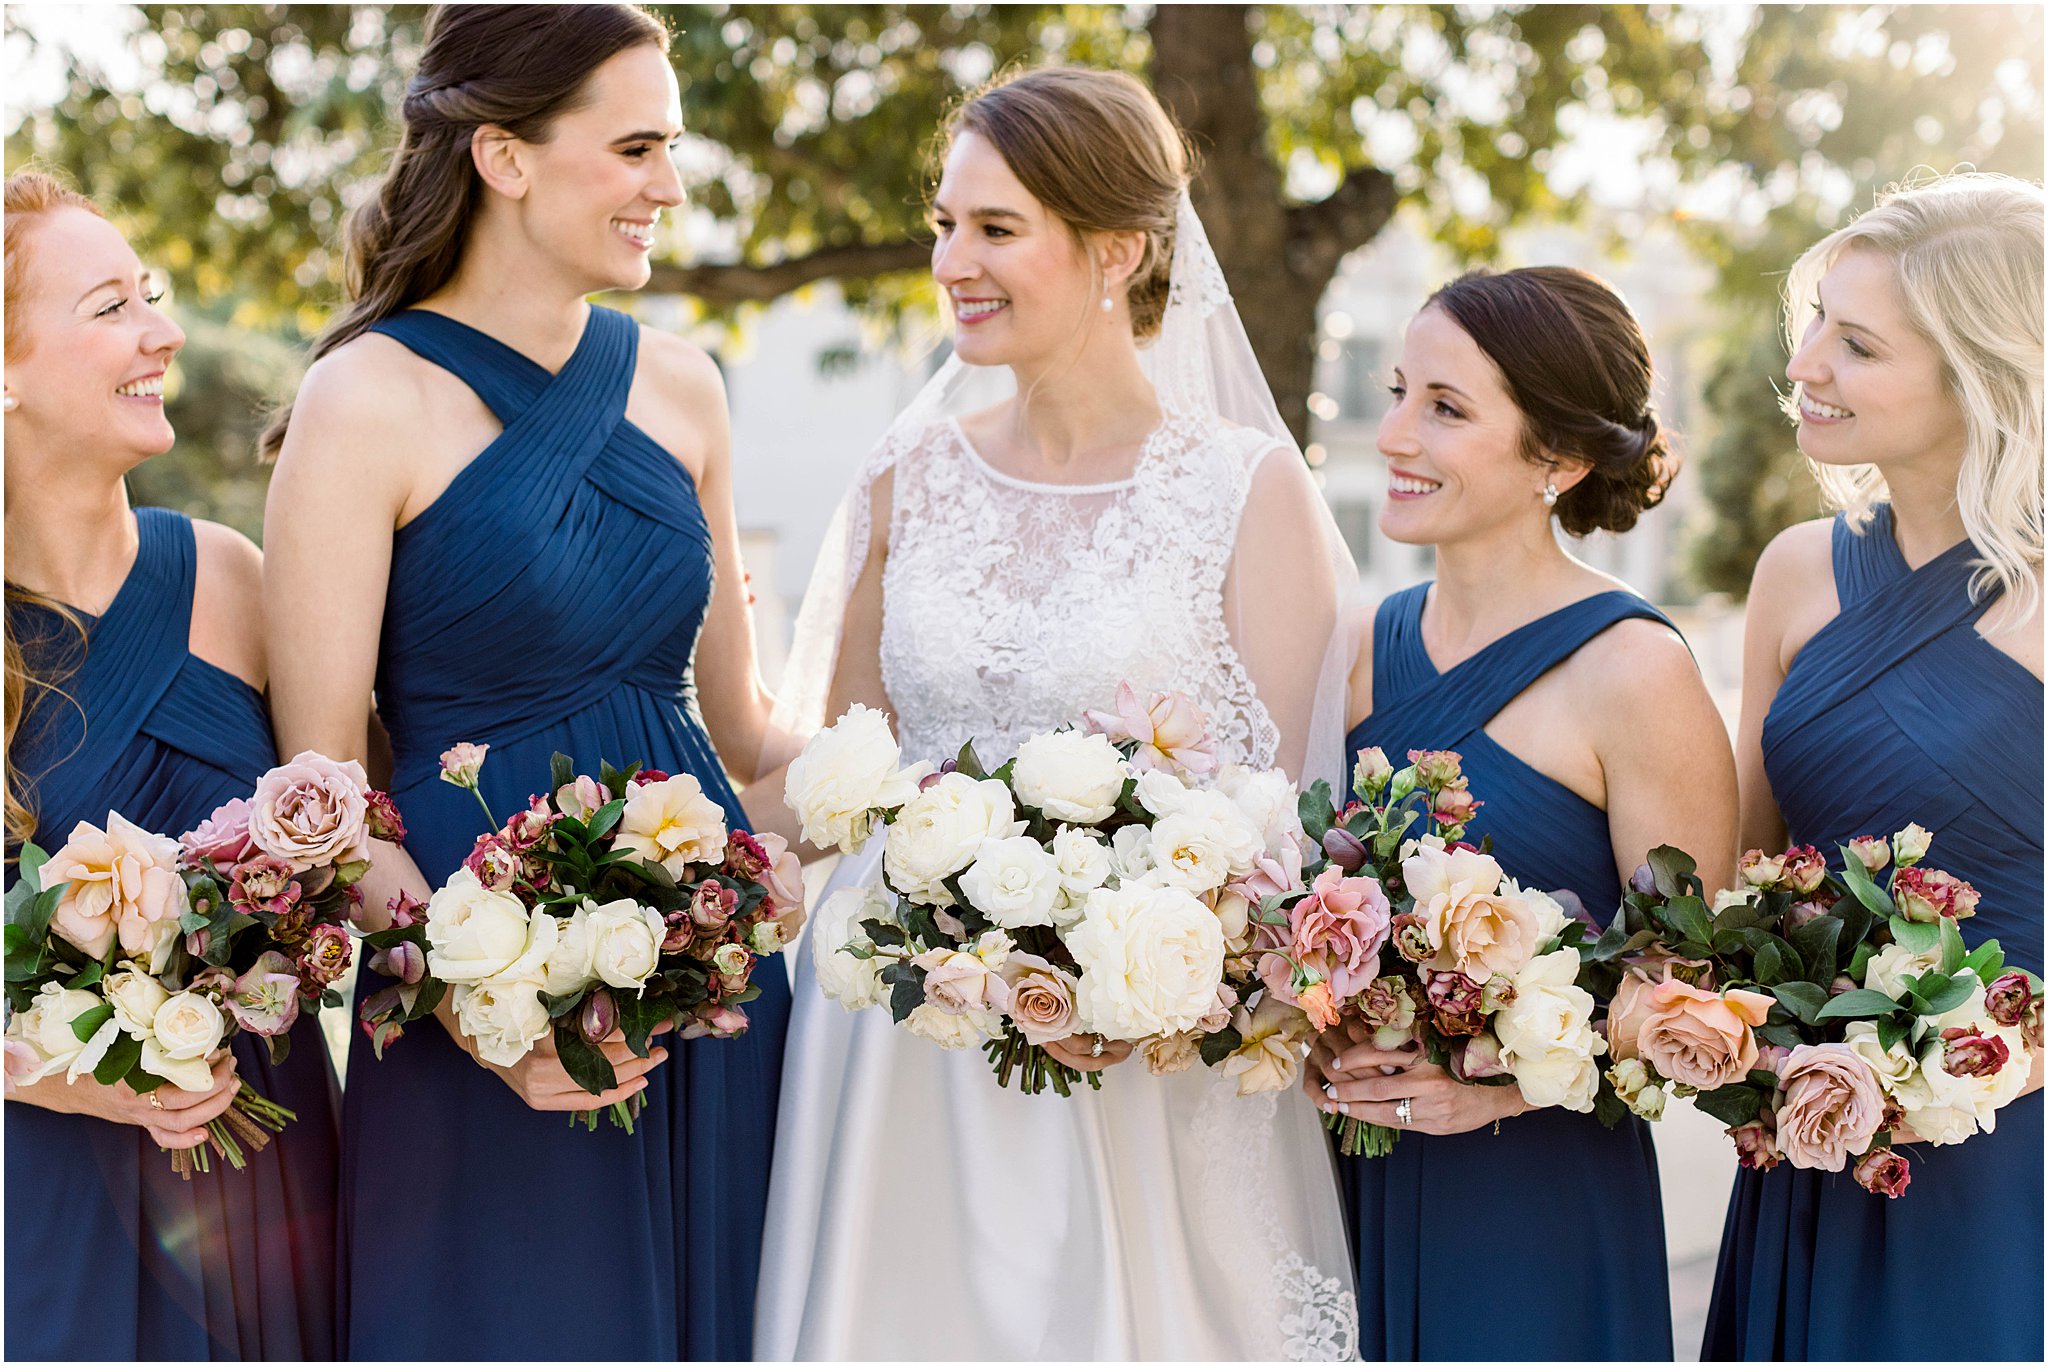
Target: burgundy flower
{"points": [[324, 958], [381, 818], [1756, 1146], [292, 925], [1454, 992], [1805, 869], [406, 910], [599, 1016], [1345, 849], [713, 905], [1927, 894], [711, 1021], [744, 856], [1966, 1053], [263, 883], [494, 862], [402, 960], [1884, 1171], [648, 775], [530, 827], [2007, 998]]}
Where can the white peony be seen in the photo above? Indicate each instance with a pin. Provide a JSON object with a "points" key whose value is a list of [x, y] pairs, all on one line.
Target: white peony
{"points": [[673, 823], [1070, 776], [45, 1027], [505, 1018], [1204, 843], [186, 1028], [1130, 853], [1890, 967], [856, 983], [569, 968], [135, 996], [1894, 1066], [625, 942], [1268, 801], [966, 1030], [846, 773], [473, 932], [1150, 959], [1013, 882], [940, 830], [1547, 1037]]}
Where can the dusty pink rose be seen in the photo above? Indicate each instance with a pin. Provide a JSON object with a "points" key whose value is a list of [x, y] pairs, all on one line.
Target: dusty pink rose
{"points": [[1477, 1058], [265, 999], [461, 763], [1386, 1005], [222, 837], [1884, 1171], [121, 882], [1872, 851], [1756, 1145], [1631, 1004], [1700, 1038], [960, 983], [1454, 806], [713, 905], [1966, 1052], [312, 812], [2007, 998], [1435, 768], [1927, 894], [1339, 928], [1805, 869], [381, 818], [1171, 732], [1041, 998], [324, 958], [1833, 1104]]}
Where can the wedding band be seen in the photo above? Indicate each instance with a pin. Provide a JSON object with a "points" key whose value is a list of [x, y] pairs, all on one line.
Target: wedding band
{"points": [[1330, 1089], [1096, 1051], [1404, 1110], [156, 1102]]}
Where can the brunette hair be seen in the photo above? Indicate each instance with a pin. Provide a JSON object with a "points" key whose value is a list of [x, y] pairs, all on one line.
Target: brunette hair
{"points": [[30, 196], [1098, 150], [1578, 367], [515, 67]]}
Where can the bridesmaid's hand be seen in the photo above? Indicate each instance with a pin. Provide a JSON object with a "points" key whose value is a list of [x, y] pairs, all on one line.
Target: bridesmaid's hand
{"points": [[543, 1083], [1364, 1088], [1078, 1052], [179, 1123]]}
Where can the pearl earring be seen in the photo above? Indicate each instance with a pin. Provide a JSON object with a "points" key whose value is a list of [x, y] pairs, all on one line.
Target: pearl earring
{"points": [[1550, 495], [1108, 304], [12, 403]]}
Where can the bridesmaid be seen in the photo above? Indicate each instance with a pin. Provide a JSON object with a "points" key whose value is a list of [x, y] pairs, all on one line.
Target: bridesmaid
{"points": [[135, 666], [1522, 399], [509, 512], [1901, 642]]}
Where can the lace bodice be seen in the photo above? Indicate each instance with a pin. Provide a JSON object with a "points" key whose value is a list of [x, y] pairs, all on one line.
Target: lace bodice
{"points": [[1011, 607]]}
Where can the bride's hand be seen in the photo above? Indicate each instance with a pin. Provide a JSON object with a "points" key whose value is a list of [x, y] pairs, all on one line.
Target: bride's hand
{"points": [[1078, 1051]]}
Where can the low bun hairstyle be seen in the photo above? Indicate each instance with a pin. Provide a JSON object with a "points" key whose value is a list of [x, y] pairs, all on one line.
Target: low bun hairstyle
{"points": [[1098, 150], [516, 67], [1578, 367]]}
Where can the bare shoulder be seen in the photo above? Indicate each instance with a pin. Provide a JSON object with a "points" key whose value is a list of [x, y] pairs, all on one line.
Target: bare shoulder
{"points": [[227, 601], [1798, 560], [1634, 664], [686, 378], [368, 402]]}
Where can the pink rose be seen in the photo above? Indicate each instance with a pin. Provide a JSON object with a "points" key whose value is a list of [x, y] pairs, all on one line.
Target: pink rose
{"points": [[312, 812], [1810, 909], [1755, 1144], [381, 818], [1805, 869], [1967, 1053], [1884, 1171], [1454, 807], [222, 837], [461, 763], [960, 983], [1453, 992], [1631, 1004], [324, 958], [1927, 894], [1171, 732], [265, 999], [2007, 998], [1871, 851], [1041, 998], [1832, 1106], [1340, 927], [119, 882], [1698, 1038], [784, 875]]}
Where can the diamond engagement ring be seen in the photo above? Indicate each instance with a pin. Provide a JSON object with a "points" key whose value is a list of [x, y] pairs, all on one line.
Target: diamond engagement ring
{"points": [[1096, 1051], [1404, 1110], [156, 1102]]}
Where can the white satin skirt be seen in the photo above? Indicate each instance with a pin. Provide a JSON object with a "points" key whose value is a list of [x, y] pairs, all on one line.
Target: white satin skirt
{"points": [[919, 1211]]}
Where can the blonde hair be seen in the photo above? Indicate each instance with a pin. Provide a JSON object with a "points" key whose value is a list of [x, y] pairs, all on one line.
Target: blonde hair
{"points": [[1967, 251], [30, 195], [1098, 150]]}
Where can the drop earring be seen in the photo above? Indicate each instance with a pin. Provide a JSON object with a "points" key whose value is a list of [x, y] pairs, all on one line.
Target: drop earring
{"points": [[1108, 304], [1550, 495]]}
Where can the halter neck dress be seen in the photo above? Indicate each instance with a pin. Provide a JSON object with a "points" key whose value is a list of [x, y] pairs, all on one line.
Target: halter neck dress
{"points": [[550, 600], [109, 1253], [1553, 1180], [1898, 711]]}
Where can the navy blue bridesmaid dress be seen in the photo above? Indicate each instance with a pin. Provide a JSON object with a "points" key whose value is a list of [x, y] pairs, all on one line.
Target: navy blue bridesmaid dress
{"points": [[1579, 1201], [109, 1253], [1938, 726], [550, 600]]}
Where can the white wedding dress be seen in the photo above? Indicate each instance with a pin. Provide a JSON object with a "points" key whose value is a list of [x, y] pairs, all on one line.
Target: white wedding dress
{"points": [[921, 1211]]}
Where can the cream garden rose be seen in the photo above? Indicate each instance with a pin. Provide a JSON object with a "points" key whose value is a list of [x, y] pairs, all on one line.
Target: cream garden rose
{"points": [[46, 1029], [503, 1018], [569, 966], [1014, 881], [186, 1028], [135, 997], [856, 983], [1150, 959], [948, 1029], [625, 942], [1070, 775], [1891, 966], [1267, 800], [474, 933], [1546, 1034], [846, 773], [673, 823], [940, 830], [1476, 926], [1203, 843], [1084, 863]]}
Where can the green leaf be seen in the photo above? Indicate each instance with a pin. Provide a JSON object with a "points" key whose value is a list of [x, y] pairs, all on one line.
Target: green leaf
{"points": [[1913, 936], [1859, 961], [561, 772], [1857, 1005], [1608, 1107], [1782, 1035], [1934, 994], [432, 989], [584, 1061], [1687, 915], [120, 1059], [1220, 1045], [1817, 941], [1673, 869], [558, 1006], [640, 1016], [1951, 939], [1857, 879], [1987, 960], [605, 817], [1735, 1104], [88, 1024], [907, 995], [1803, 999], [280, 1047], [87, 976], [1891, 1029], [966, 761], [1775, 962], [1316, 809]]}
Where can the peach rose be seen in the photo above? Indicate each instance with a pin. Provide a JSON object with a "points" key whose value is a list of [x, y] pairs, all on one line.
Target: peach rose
{"points": [[1631, 1005], [1700, 1038], [312, 812], [1475, 928], [1041, 998], [119, 881], [1832, 1106]]}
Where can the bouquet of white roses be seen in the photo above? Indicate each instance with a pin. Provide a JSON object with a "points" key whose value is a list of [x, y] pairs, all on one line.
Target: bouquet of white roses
{"points": [[1078, 889]]}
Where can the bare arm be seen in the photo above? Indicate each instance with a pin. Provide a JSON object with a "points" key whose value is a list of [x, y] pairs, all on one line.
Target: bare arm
{"points": [[1796, 565]]}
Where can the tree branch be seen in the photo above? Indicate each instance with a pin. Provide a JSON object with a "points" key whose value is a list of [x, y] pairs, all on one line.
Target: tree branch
{"points": [[1319, 235], [744, 284]]}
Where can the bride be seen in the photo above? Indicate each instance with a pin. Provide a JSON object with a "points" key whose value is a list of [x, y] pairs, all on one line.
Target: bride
{"points": [[1095, 489]]}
